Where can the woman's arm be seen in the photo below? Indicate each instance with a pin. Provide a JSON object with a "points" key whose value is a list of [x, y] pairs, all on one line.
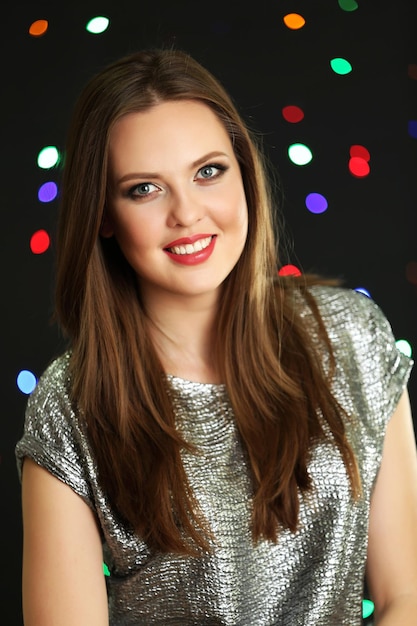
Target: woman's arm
{"points": [[63, 581], [392, 552]]}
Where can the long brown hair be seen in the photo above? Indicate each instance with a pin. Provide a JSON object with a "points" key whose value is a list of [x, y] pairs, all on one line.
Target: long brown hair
{"points": [[264, 354]]}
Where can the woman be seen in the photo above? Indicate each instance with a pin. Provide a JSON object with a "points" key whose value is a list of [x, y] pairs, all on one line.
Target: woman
{"points": [[238, 446]]}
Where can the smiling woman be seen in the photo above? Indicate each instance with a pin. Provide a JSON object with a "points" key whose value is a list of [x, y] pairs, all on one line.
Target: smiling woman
{"points": [[184, 207], [235, 444]]}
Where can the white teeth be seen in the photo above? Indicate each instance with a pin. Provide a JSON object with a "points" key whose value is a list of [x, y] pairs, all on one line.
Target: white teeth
{"points": [[190, 248]]}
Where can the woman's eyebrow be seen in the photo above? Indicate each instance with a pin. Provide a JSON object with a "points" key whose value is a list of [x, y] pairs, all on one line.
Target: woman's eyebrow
{"points": [[199, 161], [207, 157]]}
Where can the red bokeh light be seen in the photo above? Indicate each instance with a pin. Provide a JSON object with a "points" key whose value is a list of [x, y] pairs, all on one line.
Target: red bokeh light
{"points": [[359, 167], [289, 270], [39, 242], [359, 151], [292, 113]]}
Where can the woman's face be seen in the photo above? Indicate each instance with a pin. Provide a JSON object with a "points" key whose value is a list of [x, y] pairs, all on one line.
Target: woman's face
{"points": [[177, 205]]}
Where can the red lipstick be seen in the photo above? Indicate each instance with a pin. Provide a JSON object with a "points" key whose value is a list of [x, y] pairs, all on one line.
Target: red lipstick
{"points": [[193, 258], [184, 240]]}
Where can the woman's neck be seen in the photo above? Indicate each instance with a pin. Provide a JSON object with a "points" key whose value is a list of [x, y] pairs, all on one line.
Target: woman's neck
{"points": [[182, 331]]}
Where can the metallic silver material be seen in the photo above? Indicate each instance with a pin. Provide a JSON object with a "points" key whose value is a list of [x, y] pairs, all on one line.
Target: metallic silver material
{"points": [[313, 577]]}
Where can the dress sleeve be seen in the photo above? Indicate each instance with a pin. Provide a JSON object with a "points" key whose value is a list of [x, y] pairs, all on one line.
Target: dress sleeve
{"points": [[52, 435], [385, 368], [371, 372]]}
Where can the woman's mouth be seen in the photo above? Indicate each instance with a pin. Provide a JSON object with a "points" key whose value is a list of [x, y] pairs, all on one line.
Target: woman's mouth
{"points": [[191, 250]]}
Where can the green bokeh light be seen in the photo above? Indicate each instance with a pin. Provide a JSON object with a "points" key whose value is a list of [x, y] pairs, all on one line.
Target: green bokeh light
{"points": [[299, 153], [404, 347], [367, 608], [97, 25], [348, 5], [340, 66], [48, 157]]}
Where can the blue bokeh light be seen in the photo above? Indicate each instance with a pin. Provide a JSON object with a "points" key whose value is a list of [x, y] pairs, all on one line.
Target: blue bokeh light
{"points": [[316, 203], [26, 381], [364, 291], [47, 192]]}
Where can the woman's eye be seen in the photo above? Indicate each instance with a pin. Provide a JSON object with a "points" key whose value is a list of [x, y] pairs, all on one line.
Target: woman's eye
{"points": [[210, 171], [142, 190]]}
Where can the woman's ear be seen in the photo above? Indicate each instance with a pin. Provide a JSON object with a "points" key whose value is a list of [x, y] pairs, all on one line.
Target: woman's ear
{"points": [[106, 228]]}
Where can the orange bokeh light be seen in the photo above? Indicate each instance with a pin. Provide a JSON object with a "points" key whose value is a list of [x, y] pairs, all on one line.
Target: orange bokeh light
{"points": [[294, 21], [38, 28]]}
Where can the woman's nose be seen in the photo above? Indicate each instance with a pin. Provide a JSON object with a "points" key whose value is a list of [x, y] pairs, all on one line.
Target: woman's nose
{"points": [[186, 209]]}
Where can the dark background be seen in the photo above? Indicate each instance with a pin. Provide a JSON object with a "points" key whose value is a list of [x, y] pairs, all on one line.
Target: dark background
{"points": [[367, 236]]}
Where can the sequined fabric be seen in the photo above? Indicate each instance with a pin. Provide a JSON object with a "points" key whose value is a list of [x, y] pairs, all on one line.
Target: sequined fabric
{"points": [[313, 577]]}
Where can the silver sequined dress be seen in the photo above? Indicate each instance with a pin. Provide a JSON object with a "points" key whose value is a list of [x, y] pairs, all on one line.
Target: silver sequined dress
{"points": [[313, 577]]}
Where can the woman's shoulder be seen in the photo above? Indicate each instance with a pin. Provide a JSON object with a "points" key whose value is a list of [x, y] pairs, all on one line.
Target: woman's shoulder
{"points": [[343, 309], [364, 345], [49, 405], [334, 298], [356, 326], [54, 380]]}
